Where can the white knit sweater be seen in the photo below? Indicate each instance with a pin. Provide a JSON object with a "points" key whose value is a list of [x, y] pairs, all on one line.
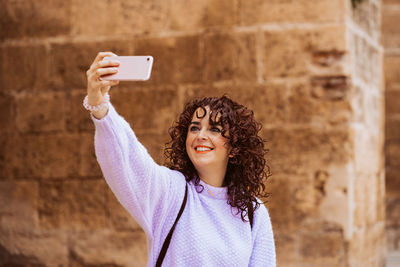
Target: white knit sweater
{"points": [[209, 233]]}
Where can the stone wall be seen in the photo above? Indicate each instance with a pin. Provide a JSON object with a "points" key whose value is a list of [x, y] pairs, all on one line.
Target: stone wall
{"points": [[311, 70], [391, 41]]}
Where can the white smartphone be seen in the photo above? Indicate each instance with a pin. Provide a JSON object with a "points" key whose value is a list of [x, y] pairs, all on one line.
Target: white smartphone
{"points": [[131, 68]]}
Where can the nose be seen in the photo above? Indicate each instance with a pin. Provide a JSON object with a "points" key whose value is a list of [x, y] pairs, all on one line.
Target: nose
{"points": [[202, 134]]}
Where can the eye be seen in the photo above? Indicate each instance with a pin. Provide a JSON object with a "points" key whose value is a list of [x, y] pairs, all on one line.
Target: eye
{"points": [[194, 128], [215, 129]]}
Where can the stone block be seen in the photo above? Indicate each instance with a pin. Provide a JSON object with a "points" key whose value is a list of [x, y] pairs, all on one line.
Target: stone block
{"points": [[23, 67], [33, 248], [193, 15], [367, 60], [40, 112], [391, 71], [268, 101], [119, 217], [19, 19], [392, 129], [230, 57], [300, 150], [322, 244], [280, 188], [116, 249], [70, 61], [150, 109], [393, 239], [88, 166], [324, 100], [43, 156], [390, 29], [367, 15], [365, 200], [119, 17], [367, 246], [297, 11], [3, 159], [7, 114], [176, 59], [74, 204], [21, 211], [392, 181], [393, 212], [77, 118], [294, 52], [393, 153], [154, 143], [392, 102], [286, 247]]}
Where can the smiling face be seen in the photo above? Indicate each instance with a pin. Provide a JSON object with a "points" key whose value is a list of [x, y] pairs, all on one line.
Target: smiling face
{"points": [[206, 147]]}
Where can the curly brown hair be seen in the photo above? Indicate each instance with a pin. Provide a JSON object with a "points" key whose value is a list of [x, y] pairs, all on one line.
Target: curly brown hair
{"points": [[247, 170]]}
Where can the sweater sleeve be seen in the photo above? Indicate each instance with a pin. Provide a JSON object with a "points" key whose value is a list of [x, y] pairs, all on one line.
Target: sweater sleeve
{"points": [[147, 190], [263, 253]]}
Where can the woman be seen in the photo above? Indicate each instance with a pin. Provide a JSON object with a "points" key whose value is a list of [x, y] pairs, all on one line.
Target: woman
{"points": [[202, 210]]}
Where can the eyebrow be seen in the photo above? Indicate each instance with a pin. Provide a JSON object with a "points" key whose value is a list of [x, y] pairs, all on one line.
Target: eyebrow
{"points": [[195, 122]]}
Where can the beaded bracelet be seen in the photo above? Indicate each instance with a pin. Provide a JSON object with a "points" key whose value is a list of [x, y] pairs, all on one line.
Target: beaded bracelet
{"points": [[104, 103]]}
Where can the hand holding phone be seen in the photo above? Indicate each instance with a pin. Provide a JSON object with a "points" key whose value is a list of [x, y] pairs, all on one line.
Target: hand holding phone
{"points": [[131, 68]]}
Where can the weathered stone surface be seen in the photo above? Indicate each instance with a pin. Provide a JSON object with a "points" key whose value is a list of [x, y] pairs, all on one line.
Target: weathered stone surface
{"points": [[40, 112], [390, 29], [392, 102], [368, 246], [292, 52], [392, 180], [192, 14], [230, 57], [322, 244], [391, 71], [258, 11], [119, 17], [23, 67], [77, 118], [171, 64], [120, 218], [268, 101], [115, 248], [88, 166], [33, 248], [303, 149], [19, 19], [75, 204], [323, 100], [393, 153], [147, 108], [18, 210], [43, 156], [367, 15], [70, 61], [367, 60], [7, 114], [154, 143], [392, 129]]}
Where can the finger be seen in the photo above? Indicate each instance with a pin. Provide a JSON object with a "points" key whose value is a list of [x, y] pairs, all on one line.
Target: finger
{"points": [[108, 63], [105, 71], [105, 83], [102, 55]]}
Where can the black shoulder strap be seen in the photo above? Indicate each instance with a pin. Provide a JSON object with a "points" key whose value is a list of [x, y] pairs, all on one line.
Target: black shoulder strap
{"points": [[169, 236], [250, 212]]}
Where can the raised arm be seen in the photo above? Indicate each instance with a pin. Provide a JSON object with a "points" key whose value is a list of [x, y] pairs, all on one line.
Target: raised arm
{"points": [[148, 191]]}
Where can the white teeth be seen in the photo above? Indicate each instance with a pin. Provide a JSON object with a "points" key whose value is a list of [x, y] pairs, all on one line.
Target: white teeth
{"points": [[202, 149]]}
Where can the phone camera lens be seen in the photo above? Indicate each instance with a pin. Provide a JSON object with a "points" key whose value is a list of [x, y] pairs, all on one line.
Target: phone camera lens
{"points": [[148, 59]]}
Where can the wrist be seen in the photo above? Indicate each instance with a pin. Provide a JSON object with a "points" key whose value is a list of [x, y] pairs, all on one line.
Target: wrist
{"points": [[96, 104]]}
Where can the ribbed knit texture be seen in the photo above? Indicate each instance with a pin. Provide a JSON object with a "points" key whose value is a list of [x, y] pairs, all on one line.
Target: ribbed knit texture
{"points": [[209, 233]]}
